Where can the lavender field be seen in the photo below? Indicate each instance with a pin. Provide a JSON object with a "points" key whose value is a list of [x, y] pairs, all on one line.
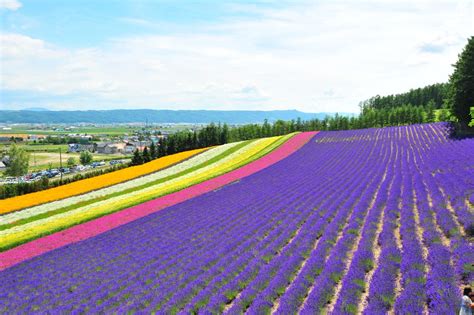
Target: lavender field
{"points": [[364, 221]]}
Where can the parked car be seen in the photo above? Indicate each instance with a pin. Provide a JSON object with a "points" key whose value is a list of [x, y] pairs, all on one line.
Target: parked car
{"points": [[10, 180], [65, 170], [80, 168]]}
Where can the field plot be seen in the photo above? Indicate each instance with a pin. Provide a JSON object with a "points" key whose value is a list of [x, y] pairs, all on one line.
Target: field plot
{"points": [[34, 222], [366, 221]]}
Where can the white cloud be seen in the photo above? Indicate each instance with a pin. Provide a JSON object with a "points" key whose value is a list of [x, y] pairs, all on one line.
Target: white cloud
{"points": [[324, 56], [21, 47], [10, 4]]}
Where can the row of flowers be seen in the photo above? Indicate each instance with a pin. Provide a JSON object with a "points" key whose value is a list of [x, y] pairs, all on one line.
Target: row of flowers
{"points": [[89, 184], [194, 161], [278, 150], [75, 215]]}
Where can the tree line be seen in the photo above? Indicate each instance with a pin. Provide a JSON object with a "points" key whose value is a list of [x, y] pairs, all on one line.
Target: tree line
{"points": [[453, 100], [217, 134], [434, 94]]}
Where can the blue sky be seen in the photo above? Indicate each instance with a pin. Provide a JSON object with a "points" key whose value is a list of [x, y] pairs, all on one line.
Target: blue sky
{"points": [[82, 23], [307, 55]]}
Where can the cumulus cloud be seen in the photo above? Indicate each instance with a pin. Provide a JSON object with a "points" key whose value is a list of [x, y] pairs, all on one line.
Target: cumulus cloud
{"points": [[440, 43], [318, 56], [251, 93], [17, 46], [10, 4]]}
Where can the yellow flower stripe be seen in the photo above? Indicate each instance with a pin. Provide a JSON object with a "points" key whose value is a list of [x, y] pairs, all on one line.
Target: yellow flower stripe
{"points": [[59, 222], [93, 183]]}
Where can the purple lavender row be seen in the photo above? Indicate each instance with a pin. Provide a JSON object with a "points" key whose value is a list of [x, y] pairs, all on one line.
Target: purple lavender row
{"points": [[335, 265], [275, 280], [329, 211], [451, 180], [202, 281], [167, 288], [290, 265], [294, 296], [457, 182], [299, 290], [316, 285], [382, 286], [276, 269], [412, 299], [278, 238], [454, 173], [353, 284], [442, 292], [210, 291]]}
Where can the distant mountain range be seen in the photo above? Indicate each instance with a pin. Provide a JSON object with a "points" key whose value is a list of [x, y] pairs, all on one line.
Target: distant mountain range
{"points": [[36, 109], [152, 116]]}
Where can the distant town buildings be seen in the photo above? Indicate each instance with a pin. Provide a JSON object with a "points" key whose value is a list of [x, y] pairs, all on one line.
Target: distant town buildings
{"points": [[77, 147], [123, 147]]}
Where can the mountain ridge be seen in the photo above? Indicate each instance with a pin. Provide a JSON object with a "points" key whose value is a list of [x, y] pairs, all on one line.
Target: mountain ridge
{"points": [[154, 116]]}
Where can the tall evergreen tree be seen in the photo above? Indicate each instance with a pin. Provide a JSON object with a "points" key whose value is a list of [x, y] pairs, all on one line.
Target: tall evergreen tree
{"points": [[153, 151], [161, 147], [224, 135], [430, 111], [461, 93], [137, 158], [146, 156]]}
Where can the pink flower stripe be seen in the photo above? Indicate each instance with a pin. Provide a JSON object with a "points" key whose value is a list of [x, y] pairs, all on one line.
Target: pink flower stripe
{"points": [[100, 225]]}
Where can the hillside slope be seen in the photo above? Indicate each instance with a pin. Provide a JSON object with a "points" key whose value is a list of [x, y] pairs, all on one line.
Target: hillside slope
{"points": [[371, 221]]}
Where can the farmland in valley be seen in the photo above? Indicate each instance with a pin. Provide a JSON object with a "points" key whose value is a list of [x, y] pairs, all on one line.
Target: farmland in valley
{"points": [[362, 221]]}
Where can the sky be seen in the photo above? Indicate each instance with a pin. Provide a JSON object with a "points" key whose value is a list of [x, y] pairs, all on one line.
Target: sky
{"points": [[313, 56]]}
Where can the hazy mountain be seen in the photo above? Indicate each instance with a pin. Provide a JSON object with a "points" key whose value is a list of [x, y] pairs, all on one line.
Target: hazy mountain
{"points": [[36, 109], [153, 116]]}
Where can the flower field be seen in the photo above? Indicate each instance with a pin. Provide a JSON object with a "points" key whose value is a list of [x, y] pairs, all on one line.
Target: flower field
{"points": [[368, 221], [86, 185], [21, 226]]}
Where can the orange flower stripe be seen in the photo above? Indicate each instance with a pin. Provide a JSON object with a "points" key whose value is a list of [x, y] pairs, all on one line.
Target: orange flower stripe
{"points": [[93, 183]]}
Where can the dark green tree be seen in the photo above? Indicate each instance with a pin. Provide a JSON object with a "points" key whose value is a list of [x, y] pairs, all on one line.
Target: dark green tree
{"points": [[471, 124], [18, 160], [224, 134], [430, 112], [162, 147], [461, 93], [170, 145], [71, 161], [137, 158], [153, 151], [444, 115], [85, 157], [146, 155]]}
